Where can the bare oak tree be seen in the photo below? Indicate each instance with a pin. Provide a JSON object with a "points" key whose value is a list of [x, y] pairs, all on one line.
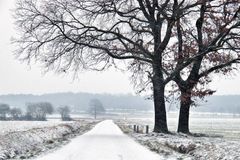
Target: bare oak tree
{"points": [[208, 38], [92, 34]]}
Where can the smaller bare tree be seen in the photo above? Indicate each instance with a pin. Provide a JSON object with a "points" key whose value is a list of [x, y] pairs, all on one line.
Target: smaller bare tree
{"points": [[96, 107], [16, 113], [38, 111], [65, 113], [4, 109]]}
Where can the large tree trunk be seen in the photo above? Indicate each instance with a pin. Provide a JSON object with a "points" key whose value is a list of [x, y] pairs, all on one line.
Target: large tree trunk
{"points": [[183, 121], [159, 104]]}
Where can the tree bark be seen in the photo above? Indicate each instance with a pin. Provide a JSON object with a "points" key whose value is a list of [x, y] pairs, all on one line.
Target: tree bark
{"points": [[159, 104], [183, 121]]}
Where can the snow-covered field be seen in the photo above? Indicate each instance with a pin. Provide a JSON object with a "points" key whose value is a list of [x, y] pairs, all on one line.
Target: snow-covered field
{"points": [[21, 140], [226, 125], [197, 147], [26, 139], [16, 126]]}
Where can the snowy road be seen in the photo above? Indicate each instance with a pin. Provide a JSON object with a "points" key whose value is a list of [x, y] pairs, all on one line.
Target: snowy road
{"points": [[104, 142]]}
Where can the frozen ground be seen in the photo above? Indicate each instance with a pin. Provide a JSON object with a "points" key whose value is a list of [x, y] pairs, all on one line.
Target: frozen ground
{"points": [[197, 147], [22, 140], [104, 142]]}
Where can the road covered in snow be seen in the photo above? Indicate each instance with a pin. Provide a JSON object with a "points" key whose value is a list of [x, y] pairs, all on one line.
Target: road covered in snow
{"points": [[104, 142]]}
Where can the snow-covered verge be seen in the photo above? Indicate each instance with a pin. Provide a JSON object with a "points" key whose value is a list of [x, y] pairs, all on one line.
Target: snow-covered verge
{"points": [[195, 147], [22, 144]]}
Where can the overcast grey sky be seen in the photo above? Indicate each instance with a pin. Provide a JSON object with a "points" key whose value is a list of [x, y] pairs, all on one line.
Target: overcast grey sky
{"points": [[20, 78]]}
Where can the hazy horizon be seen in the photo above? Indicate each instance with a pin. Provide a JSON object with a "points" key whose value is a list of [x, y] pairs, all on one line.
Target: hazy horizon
{"points": [[80, 101], [100, 93]]}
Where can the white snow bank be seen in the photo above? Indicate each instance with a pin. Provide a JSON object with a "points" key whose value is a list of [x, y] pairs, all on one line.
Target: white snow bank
{"points": [[27, 143]]}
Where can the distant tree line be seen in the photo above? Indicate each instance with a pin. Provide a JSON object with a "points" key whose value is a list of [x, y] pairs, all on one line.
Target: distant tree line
{"points": [[34, 112]]}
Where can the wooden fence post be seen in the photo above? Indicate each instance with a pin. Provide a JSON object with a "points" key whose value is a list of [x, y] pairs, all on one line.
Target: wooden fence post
{"points": [[134, 128], [147, 129]]}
